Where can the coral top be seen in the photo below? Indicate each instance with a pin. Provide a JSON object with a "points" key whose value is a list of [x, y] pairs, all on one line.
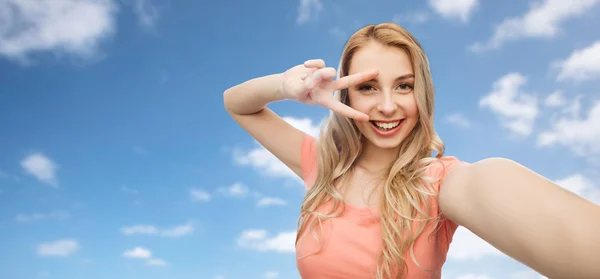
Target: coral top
{"points": [[352, 242]]}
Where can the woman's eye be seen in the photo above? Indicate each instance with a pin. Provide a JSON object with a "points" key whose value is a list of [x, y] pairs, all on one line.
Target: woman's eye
{"points": [[405, 87], [365, 87]]}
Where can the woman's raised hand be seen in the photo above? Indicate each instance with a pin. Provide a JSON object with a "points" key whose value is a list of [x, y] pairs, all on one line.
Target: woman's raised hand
{"points": [[312, 83]]}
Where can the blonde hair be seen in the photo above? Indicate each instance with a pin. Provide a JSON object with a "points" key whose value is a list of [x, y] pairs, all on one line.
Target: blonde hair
{"points": [[405, 199]]}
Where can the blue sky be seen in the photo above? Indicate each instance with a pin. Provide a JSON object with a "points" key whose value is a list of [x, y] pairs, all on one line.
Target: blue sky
{"points": [[117, 159]]}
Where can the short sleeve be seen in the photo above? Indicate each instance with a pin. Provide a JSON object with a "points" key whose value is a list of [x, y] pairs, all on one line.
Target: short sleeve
{"points": [[439, 172], [308, 160]]}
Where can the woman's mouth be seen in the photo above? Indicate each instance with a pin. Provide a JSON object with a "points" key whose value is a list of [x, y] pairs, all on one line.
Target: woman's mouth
{"points": [[386, 128]]}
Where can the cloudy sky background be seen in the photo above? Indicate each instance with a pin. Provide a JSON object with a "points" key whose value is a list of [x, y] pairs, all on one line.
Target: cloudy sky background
{"points": [[117, 159]]}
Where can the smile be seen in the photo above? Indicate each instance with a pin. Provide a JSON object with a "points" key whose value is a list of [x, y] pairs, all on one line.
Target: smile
{"points": [[386, 128]]}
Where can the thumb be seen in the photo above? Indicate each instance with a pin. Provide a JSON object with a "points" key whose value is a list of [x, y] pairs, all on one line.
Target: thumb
{"points": [[323, 74]]}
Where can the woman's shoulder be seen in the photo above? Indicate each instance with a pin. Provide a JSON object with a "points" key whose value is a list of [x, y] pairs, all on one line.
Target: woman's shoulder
{"points": [[440, 167]]}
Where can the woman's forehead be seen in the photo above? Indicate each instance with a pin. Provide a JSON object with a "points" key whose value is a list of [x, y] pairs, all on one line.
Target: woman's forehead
{"points": [[390, 61]]}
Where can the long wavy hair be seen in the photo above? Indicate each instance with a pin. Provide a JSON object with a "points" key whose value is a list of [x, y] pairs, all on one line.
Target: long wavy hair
{"points": [[405, 206]]}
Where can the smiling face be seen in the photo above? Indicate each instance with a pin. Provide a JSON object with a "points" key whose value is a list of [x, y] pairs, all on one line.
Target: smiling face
{"points": [[388, 100]]}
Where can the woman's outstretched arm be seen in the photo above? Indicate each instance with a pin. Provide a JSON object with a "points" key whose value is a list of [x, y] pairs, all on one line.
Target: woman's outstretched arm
{"points": [[526, 216]]}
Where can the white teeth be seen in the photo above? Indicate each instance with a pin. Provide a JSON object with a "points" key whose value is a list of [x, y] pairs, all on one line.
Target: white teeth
{"points": [[390, 125]]}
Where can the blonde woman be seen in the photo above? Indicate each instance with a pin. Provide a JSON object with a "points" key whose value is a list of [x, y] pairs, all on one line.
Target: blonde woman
{"points": [[383, 201]]}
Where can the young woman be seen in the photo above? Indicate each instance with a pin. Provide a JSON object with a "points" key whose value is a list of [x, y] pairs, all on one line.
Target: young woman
{"points": [[379, 204]]}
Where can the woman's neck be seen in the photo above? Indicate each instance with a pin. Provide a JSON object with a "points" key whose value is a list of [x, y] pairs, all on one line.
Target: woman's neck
{"points": [[376, 159]]}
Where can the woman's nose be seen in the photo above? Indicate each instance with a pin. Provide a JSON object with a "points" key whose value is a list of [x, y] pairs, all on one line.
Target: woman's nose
{"points": [[387, 106]]}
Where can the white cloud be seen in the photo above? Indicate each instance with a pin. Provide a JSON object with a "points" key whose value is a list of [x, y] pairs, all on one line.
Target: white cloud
{"points": [[458, 119], [142, 253], [454, 9], [27, 218], [263, 160], [516, 109], [42, 167], [474, 276], [337, 32], [138, 253], [219, 277], [146, 12], [128, 190], [258, 240], [412, 17], [304, 124], [543, 20], [580, 134], [177, 231], [156, 262], [467, 246], [582, 186], [139, 229], [527, 274], [60, 248], [308, 9], [556, 99], [234, 190], [581, 65], [199, 195], [66, 26], [271, 274], [270, 201]]}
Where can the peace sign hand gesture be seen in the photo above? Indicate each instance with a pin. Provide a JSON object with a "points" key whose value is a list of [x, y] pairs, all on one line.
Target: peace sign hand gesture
{"points": [[312, 83]]}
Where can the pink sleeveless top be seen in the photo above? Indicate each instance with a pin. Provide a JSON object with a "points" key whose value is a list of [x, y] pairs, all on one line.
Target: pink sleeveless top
{"points": [[352, 242]]}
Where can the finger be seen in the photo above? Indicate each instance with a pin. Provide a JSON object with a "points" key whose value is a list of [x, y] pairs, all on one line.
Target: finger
{"points": [[321, 74], [326, 73], [343, 109], [314, 63], [355, 79]]}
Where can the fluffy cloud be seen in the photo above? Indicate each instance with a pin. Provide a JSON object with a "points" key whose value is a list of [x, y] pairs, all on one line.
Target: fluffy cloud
{"points": [[556, 99], [156, 262], [271, 274], [263, 160], [199, 196], [270, 201], [146, 12], [458, 119], [516, 109], [177, 231], [411, 17], [28, 218], [582, 64], [141, 253], [42, 167], [68, 26], [580, 134], [60, 248], [473, 276], [527, 274], [581, 186], [260, 241], [454, 9], [234, 190], [308, 10], [543, 20], [468, 246], [138, 253]]}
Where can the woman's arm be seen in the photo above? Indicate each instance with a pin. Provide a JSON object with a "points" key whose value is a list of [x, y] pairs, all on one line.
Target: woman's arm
{"points": [[526, 216], [246, 103]]}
